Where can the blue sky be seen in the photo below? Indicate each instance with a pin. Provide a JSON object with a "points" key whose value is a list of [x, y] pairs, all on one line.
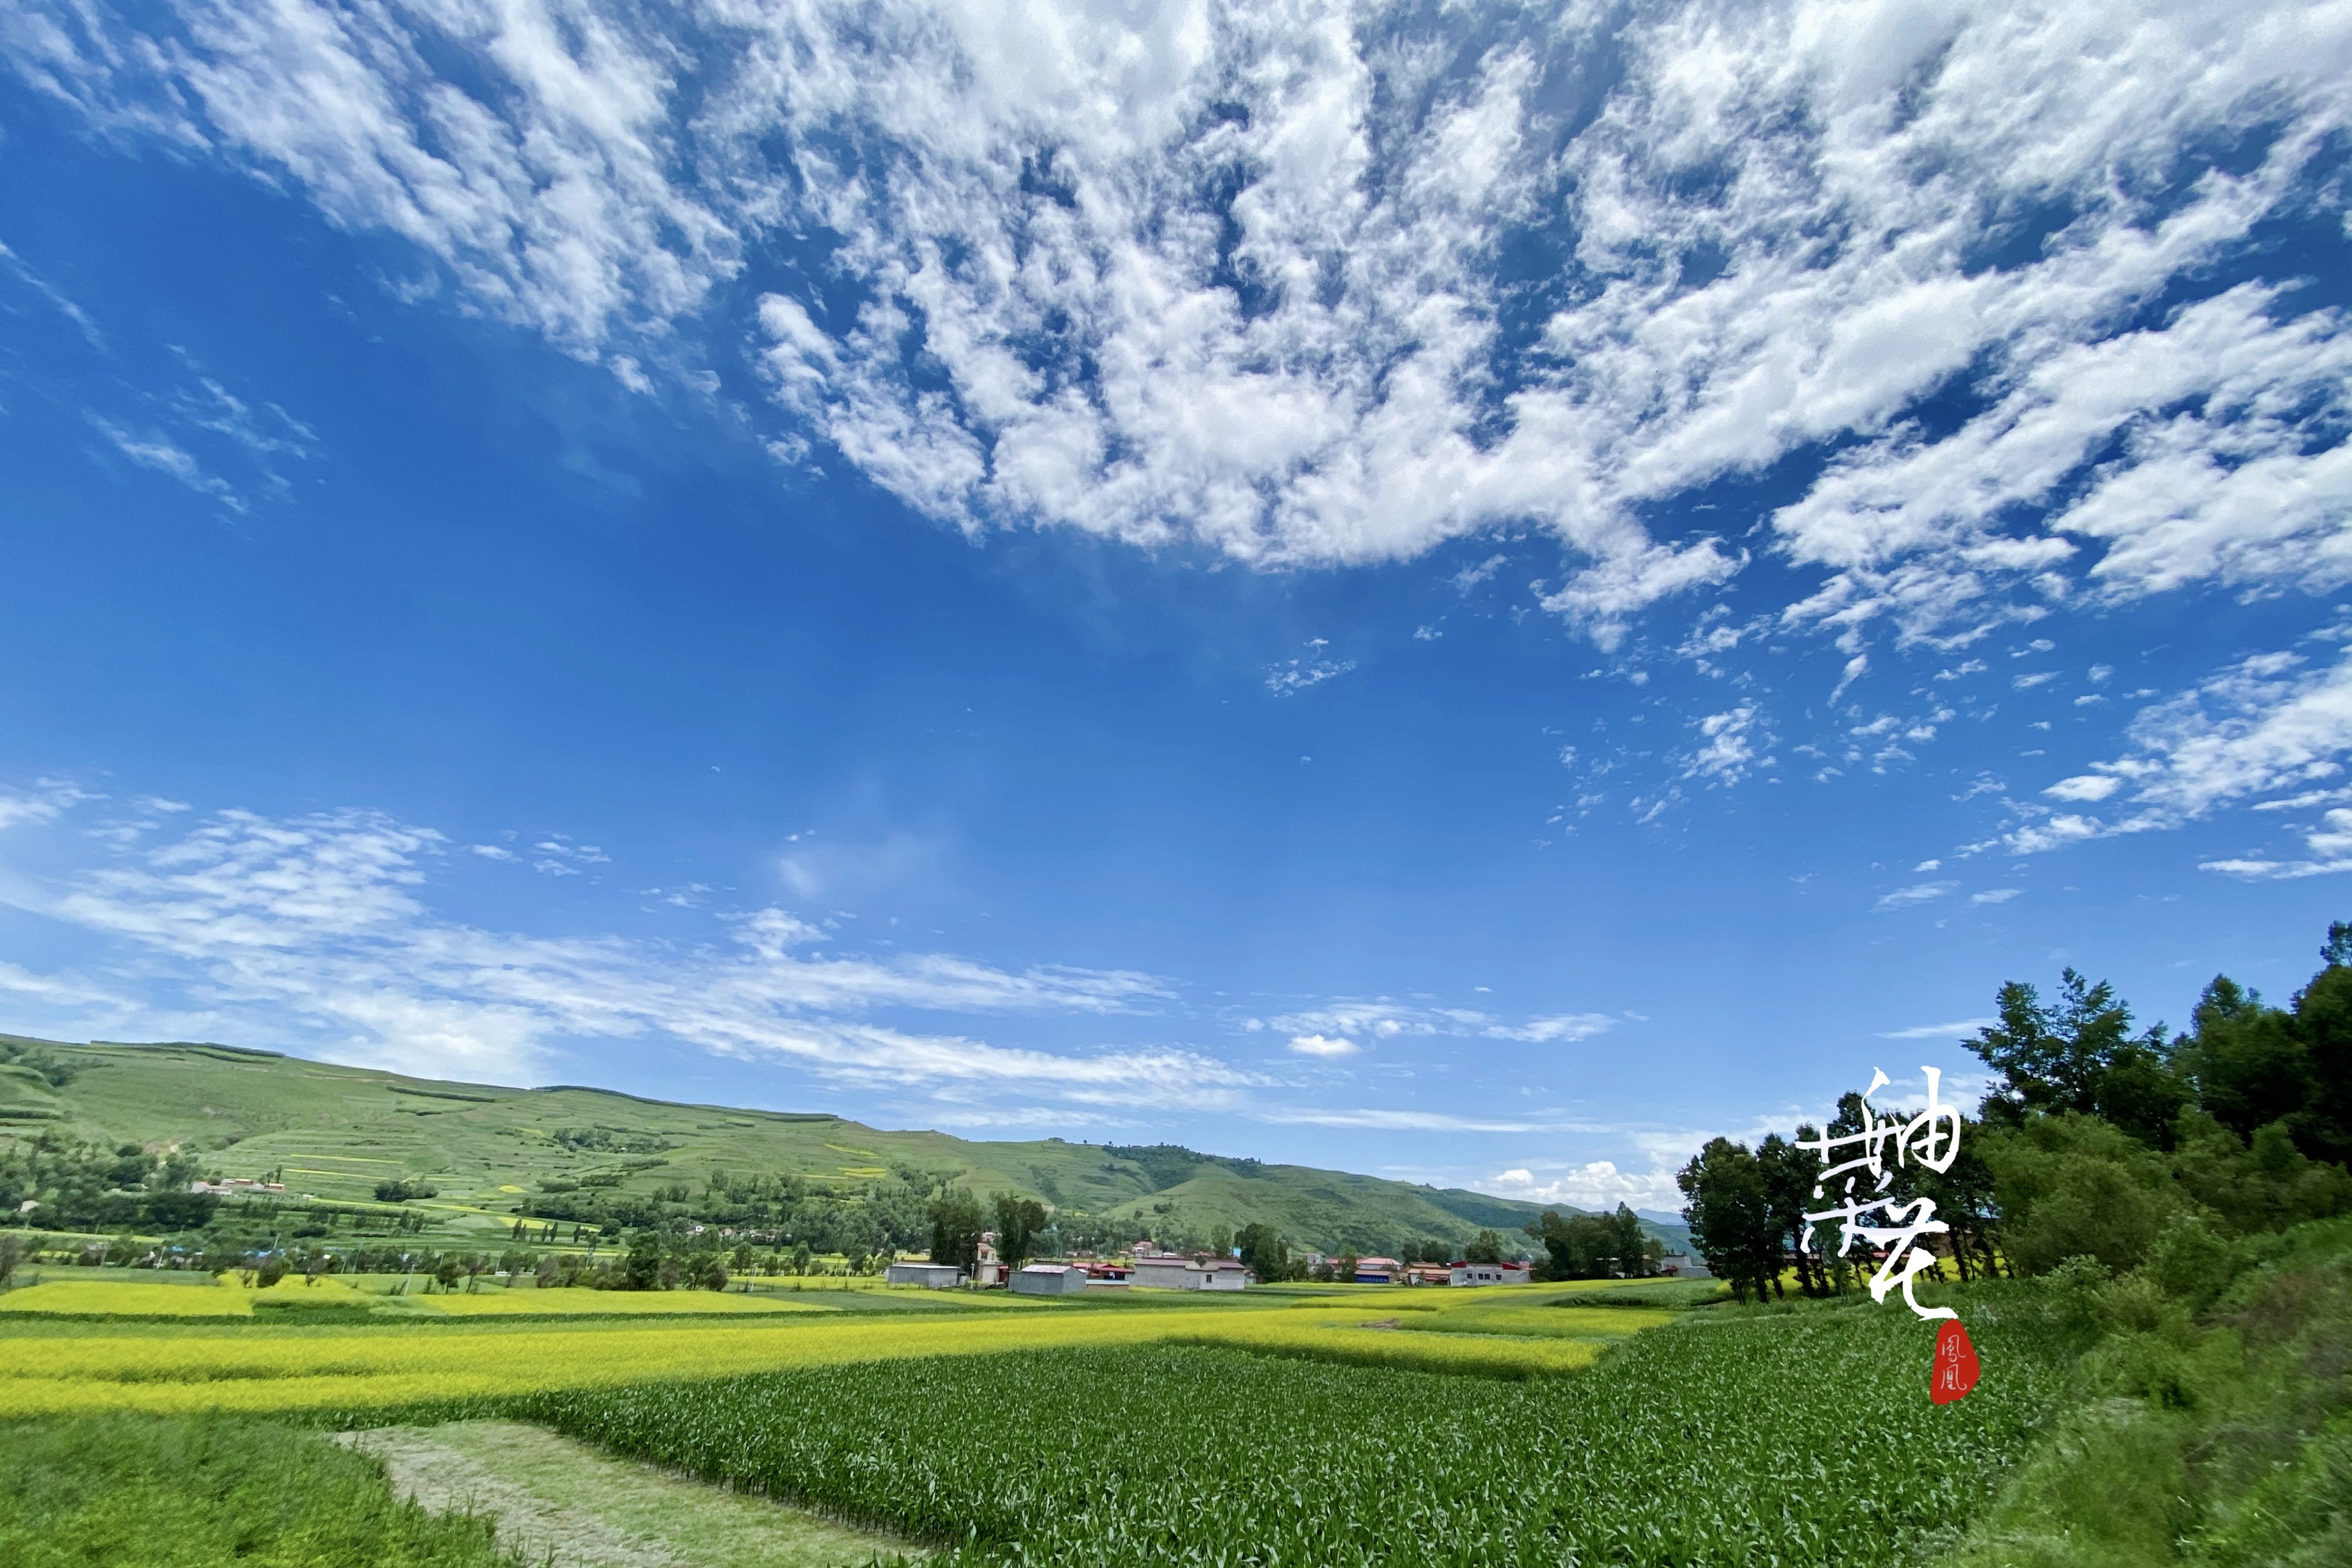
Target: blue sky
{"points": [[1477, 595]]}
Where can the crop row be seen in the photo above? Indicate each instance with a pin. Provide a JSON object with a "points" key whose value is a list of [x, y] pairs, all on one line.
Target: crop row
{"points": [[1803, 1438]]}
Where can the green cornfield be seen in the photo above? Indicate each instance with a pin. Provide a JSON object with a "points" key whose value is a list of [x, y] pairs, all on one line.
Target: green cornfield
{"points": [[1789, 1437]]}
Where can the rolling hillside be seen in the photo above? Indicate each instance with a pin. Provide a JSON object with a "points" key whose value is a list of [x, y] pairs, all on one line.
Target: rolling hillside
{"points": [[491, 1153]]}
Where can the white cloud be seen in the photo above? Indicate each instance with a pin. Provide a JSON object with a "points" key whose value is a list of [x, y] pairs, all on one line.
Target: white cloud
{"points": [[2084, 786], [1387, 1020], [1599, 1186], [159, 452], [1733, 738], [48, 800], [1323, 1046], [2330, 845], [1995, 895], [1397, 1122], [1960, 1030], [1298, 674], [317, 929], [1921, 893], [1231, 276], [2264, 725]]}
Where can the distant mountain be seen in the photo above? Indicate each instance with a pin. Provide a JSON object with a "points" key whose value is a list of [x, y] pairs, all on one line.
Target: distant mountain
{"points": [[567, 1153]]}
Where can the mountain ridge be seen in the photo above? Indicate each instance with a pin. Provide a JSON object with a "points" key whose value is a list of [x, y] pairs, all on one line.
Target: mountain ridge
{"points": [[578, 1154]]}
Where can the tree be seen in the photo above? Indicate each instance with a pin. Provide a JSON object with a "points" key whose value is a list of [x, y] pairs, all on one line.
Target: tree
{"points": [[2079, 1055], [1486, 1247], [12, 1253], [1731, 1219], [1220, 1241], [1018, 1221], [642, 1270], [1789, 1173], [956, 1224], [1263, 1252], [2073, 1185], [1591, 1245]]}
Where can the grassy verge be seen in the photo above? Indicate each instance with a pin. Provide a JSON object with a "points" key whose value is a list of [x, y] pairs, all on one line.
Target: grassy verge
{"points": [[2211, 1419], [196, 1491]]}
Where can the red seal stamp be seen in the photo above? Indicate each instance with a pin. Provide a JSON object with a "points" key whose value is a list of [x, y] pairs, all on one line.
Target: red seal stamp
{"points": [[1955, 1370]]}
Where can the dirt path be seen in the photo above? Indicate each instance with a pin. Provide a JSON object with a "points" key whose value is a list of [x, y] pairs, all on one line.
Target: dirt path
{"points": [[569, 1505]]}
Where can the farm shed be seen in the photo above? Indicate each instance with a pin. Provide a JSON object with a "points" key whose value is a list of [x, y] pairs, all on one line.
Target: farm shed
{"points": [[1048, 1279], [1184, 1274], [1378, 1271], [1490, 1274], [931, 1276]]}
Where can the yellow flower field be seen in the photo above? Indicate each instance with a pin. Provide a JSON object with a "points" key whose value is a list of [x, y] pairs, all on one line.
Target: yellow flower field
{"points": [[599, 1303], [94, 1298], [169, 1367]]}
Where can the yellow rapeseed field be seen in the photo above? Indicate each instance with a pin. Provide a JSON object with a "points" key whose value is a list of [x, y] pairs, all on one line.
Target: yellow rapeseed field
{"points": [[95, 1298], [167, 1367], [599, 1303]]}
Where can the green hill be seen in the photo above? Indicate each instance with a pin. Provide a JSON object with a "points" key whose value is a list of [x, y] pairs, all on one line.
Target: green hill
{"points": [[336, 1136]]}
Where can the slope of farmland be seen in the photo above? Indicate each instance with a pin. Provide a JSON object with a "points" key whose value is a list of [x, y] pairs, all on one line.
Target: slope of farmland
{"points": [[338, 1132]]}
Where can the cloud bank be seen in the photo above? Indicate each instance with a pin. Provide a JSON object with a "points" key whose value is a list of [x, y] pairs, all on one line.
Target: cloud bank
{"points": [[1323, 283]]}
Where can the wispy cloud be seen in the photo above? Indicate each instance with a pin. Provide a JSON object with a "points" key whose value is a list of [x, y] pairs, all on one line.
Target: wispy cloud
{"points": [[1959, 1029], [322, 921], [1915, 895], [1383, 1020], [2264, 725]]}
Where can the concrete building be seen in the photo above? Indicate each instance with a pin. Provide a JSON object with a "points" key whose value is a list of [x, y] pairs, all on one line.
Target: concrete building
{"points": [[931, 1276], [1490, 1274], [1188, 1274], [1048, 1279], [1378, 1271], [989, 1269]]}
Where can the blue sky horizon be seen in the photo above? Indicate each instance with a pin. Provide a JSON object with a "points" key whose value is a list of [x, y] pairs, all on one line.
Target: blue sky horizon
{"points": [[1478, 596]]}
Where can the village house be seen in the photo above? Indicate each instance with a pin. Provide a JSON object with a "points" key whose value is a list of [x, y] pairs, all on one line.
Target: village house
{"points": [[1489, 1274], [1188, 1274], [1378, 1271], [1049, 1280]]}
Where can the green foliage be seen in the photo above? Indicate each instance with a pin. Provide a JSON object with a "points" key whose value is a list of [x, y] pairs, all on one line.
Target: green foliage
{"points": [[2079, 1055], [1265, 1252], [957, 1221], [194, 1491], [2075, 1186], [76, 1185], [2209, 1410], [1662, 1453], [2256, 1066], [1591, 1245], [1018, 1221], [404, 1188], [41, 1062], [1733, 1221], [1486, 1247]]}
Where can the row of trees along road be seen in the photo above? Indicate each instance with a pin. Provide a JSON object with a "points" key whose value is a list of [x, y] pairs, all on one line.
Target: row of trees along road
{"points": [[2095, 1141]]}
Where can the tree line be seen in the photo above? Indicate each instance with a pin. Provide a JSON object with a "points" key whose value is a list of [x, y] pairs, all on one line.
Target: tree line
{"points": [[2094, 1140]]}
